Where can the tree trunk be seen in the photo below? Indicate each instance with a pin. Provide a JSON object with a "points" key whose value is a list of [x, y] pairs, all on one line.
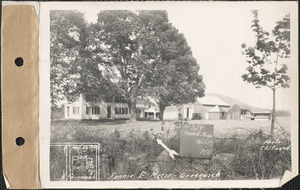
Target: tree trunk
{"points": [[162, 108], [273, 114], [129, 103], [132, 108]]}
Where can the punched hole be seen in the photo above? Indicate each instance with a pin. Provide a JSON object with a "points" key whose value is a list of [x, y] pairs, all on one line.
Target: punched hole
{"points": [[20, 141], [19, 61]]}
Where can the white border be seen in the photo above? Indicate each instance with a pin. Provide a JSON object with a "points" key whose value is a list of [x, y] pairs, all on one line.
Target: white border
{"points": [[44, 69]]}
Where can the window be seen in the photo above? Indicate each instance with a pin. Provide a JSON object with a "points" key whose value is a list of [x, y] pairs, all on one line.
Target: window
{"points": [[88, 110], [108, 99], [117, 99], [92, 110], [123, 100], [120, 99], [91, 98], [75, 110], [124, 110], [95, 110], [138, 111], [119, 111]]}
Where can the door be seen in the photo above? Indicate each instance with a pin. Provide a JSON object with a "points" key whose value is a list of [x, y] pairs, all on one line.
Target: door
{"points": [[108, 112], [187, 112]]}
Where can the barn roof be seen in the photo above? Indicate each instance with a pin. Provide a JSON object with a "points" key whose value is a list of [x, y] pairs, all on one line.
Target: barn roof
{"points": [[241, 106], [244, 106], [251, 109], [217, 109], [211, 100]]}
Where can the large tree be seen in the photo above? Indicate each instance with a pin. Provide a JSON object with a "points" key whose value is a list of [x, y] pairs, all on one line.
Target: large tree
{"points": [[67, 30], [72, 69], [115, 47], [180, 83], [143, 53], [131, 54], [174, 79], [267, 59]]}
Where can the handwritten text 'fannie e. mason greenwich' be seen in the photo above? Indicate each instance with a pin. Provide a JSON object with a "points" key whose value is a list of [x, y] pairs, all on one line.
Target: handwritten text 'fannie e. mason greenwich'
{"points": [[162, 176]]}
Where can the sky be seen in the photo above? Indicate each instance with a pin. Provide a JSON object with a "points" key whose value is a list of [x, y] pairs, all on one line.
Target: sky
{"points": [[215, 33]]}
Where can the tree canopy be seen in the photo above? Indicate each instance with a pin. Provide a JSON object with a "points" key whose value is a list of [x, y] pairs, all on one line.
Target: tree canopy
{"points": [[267, 59], [127, 53], [73, 69], [66, 43], [175, 79]]}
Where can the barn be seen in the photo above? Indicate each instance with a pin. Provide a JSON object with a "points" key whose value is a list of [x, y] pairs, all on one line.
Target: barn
{"points": [[209, 108], [239, 112], [242, 112], [213, 108]]}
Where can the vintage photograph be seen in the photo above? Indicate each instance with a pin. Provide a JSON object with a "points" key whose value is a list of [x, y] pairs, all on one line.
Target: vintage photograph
{"points": [[199, 93]]}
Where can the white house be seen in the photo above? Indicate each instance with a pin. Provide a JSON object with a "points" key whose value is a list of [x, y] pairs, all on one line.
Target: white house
{"points": [[90, 106]]}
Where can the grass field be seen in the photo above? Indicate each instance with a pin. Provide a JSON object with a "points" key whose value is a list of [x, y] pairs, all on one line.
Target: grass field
{"points": [[62, 130], [131, 147]]}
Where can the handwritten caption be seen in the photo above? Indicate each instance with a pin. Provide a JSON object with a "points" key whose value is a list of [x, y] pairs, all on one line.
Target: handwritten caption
{"points": [[196, 140], [162, 176], [275, 145]]}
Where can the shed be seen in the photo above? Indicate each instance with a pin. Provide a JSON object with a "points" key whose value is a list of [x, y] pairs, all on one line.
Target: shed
{"points": [[237, 112], [262, 115]]}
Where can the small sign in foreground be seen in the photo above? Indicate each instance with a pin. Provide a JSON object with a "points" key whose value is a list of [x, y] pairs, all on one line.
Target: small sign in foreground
{"points": [[196, 140]]}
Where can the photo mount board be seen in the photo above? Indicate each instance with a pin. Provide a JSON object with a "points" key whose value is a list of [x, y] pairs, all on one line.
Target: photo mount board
{"points": [[20, 96], [21, 128]]}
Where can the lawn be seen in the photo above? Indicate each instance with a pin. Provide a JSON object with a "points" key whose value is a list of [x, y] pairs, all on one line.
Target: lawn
{"points": [[131, 148], [63, 130]]}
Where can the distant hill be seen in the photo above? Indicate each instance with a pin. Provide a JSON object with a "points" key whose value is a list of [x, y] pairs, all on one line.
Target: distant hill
{"points": [[231, 101]]}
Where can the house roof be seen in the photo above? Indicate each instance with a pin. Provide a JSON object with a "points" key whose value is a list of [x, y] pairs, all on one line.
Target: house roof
{"points": [[211, 100], [242, 106], [251, 109], [216, 109]]}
